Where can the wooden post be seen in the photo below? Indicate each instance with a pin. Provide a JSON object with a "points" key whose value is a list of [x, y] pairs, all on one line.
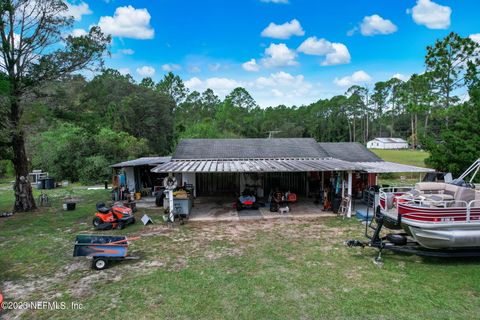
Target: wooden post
{"points": [[349, 194]]}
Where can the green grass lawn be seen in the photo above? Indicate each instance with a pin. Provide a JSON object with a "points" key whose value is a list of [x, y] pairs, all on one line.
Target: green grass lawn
{"points": [[275, 269], [406, 156]]}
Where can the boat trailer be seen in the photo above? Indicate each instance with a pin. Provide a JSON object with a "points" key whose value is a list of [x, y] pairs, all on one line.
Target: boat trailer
{"points": [[402, 243]]}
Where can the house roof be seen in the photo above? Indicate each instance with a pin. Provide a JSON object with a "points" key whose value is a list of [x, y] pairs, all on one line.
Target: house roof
{"points": [[276, 148], [276, 155], [390, 140], [145, 161], [257, 165], [349, 151], [389, 167]]}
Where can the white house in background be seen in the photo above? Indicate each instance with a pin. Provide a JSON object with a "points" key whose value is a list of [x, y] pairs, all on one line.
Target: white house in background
{"points": [[387, 143]]}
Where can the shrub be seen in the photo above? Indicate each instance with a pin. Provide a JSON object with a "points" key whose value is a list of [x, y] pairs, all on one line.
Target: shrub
{"points": [[95, 169]]}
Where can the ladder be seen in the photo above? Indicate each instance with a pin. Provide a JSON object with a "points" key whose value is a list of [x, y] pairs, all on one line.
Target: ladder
{"points": [[344, 206]]}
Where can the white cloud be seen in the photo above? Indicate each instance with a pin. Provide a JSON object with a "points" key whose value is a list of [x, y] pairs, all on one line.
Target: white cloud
{"points": [[475, 37], [335, 53], [279, 55], [222, 83], [374, 24], [146, 71], [128, 22], [401, 76], [251, 65], [124, 71], [127, 52], [77, 10], [171, 67], [283, 31], [275, 1], [194, 83], [214, 67], [194, 69], [78, 32], [277, 88], [283, 88], [431, 14], [280, 79], [221, 86], [358, 77], [314, 46], [340, 55]]}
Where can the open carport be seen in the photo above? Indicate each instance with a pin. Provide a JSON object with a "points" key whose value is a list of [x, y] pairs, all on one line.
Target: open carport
{"points": [[220, 169]]}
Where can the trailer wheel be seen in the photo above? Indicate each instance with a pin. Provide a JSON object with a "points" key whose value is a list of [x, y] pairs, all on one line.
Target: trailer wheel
{"points": [[99, 263]]}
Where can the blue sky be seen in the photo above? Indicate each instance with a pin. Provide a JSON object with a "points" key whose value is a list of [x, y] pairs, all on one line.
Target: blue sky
{"points": [[283, 51]]}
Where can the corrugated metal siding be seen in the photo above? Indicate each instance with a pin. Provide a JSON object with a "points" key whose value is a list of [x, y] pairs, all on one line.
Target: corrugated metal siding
{"points": [[388, 167], [145, 161], [257, 165]]}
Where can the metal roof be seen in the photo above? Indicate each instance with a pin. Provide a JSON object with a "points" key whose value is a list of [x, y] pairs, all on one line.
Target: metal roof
{"points": [[390, 167], [390, 140], [145, 161], [349, 151], [275, 148], [257, 165]]}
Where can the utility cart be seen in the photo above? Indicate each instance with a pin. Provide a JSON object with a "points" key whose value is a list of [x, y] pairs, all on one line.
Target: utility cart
{"points": [[102, 249]]}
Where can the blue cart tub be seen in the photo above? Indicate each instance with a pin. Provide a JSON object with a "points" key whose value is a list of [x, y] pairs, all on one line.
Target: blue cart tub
{"points": [[102, 249]]}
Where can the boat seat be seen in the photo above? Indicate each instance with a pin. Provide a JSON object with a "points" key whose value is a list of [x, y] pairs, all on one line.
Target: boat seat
{"points": [[430, 187], [465, 194], [476, 204], [441, 197]]}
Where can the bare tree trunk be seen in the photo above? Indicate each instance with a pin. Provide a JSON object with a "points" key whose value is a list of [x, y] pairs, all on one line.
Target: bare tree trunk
{"points": [[416, 131], [24, 200], [349, 132], [426, 124], [354, 133], [413, 132]]}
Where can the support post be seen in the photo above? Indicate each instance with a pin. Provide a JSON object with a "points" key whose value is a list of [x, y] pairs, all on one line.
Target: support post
{"points": [[349, 194]]}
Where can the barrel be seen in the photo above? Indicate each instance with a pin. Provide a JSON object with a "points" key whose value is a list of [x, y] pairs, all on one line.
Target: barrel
{"points": [[41, 184], [49, 183]]}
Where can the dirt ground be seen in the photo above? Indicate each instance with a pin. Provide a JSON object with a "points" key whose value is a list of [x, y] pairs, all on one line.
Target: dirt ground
{"points": [[184, 243]]}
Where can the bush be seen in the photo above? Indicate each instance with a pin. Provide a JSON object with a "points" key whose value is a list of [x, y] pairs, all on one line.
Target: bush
{"points": [[95, 169], [6, 168], [72, 153]]}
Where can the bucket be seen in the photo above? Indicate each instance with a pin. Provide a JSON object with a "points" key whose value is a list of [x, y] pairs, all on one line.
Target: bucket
{"points": [[138, 196], [41, 184], [49, 183], [69, 206]]}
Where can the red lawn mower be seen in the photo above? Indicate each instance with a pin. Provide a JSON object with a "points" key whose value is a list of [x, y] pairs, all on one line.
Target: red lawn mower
{"points": [[115, 217]]}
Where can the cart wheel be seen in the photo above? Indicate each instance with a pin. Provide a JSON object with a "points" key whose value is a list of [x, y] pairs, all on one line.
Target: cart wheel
{"points": [[96, 222], [99, 263], [121, 225], [132, 221]]}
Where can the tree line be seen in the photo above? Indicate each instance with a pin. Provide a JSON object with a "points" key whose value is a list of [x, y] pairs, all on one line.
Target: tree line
{"points": [[77, 127]]}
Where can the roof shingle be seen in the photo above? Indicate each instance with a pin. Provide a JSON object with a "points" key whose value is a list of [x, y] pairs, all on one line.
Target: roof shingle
{"points": [[277, 148]]}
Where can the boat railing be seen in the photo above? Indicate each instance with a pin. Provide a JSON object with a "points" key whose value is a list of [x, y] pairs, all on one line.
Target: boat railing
{"points": [[471, 205], [397, 191], [463, 211]]}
